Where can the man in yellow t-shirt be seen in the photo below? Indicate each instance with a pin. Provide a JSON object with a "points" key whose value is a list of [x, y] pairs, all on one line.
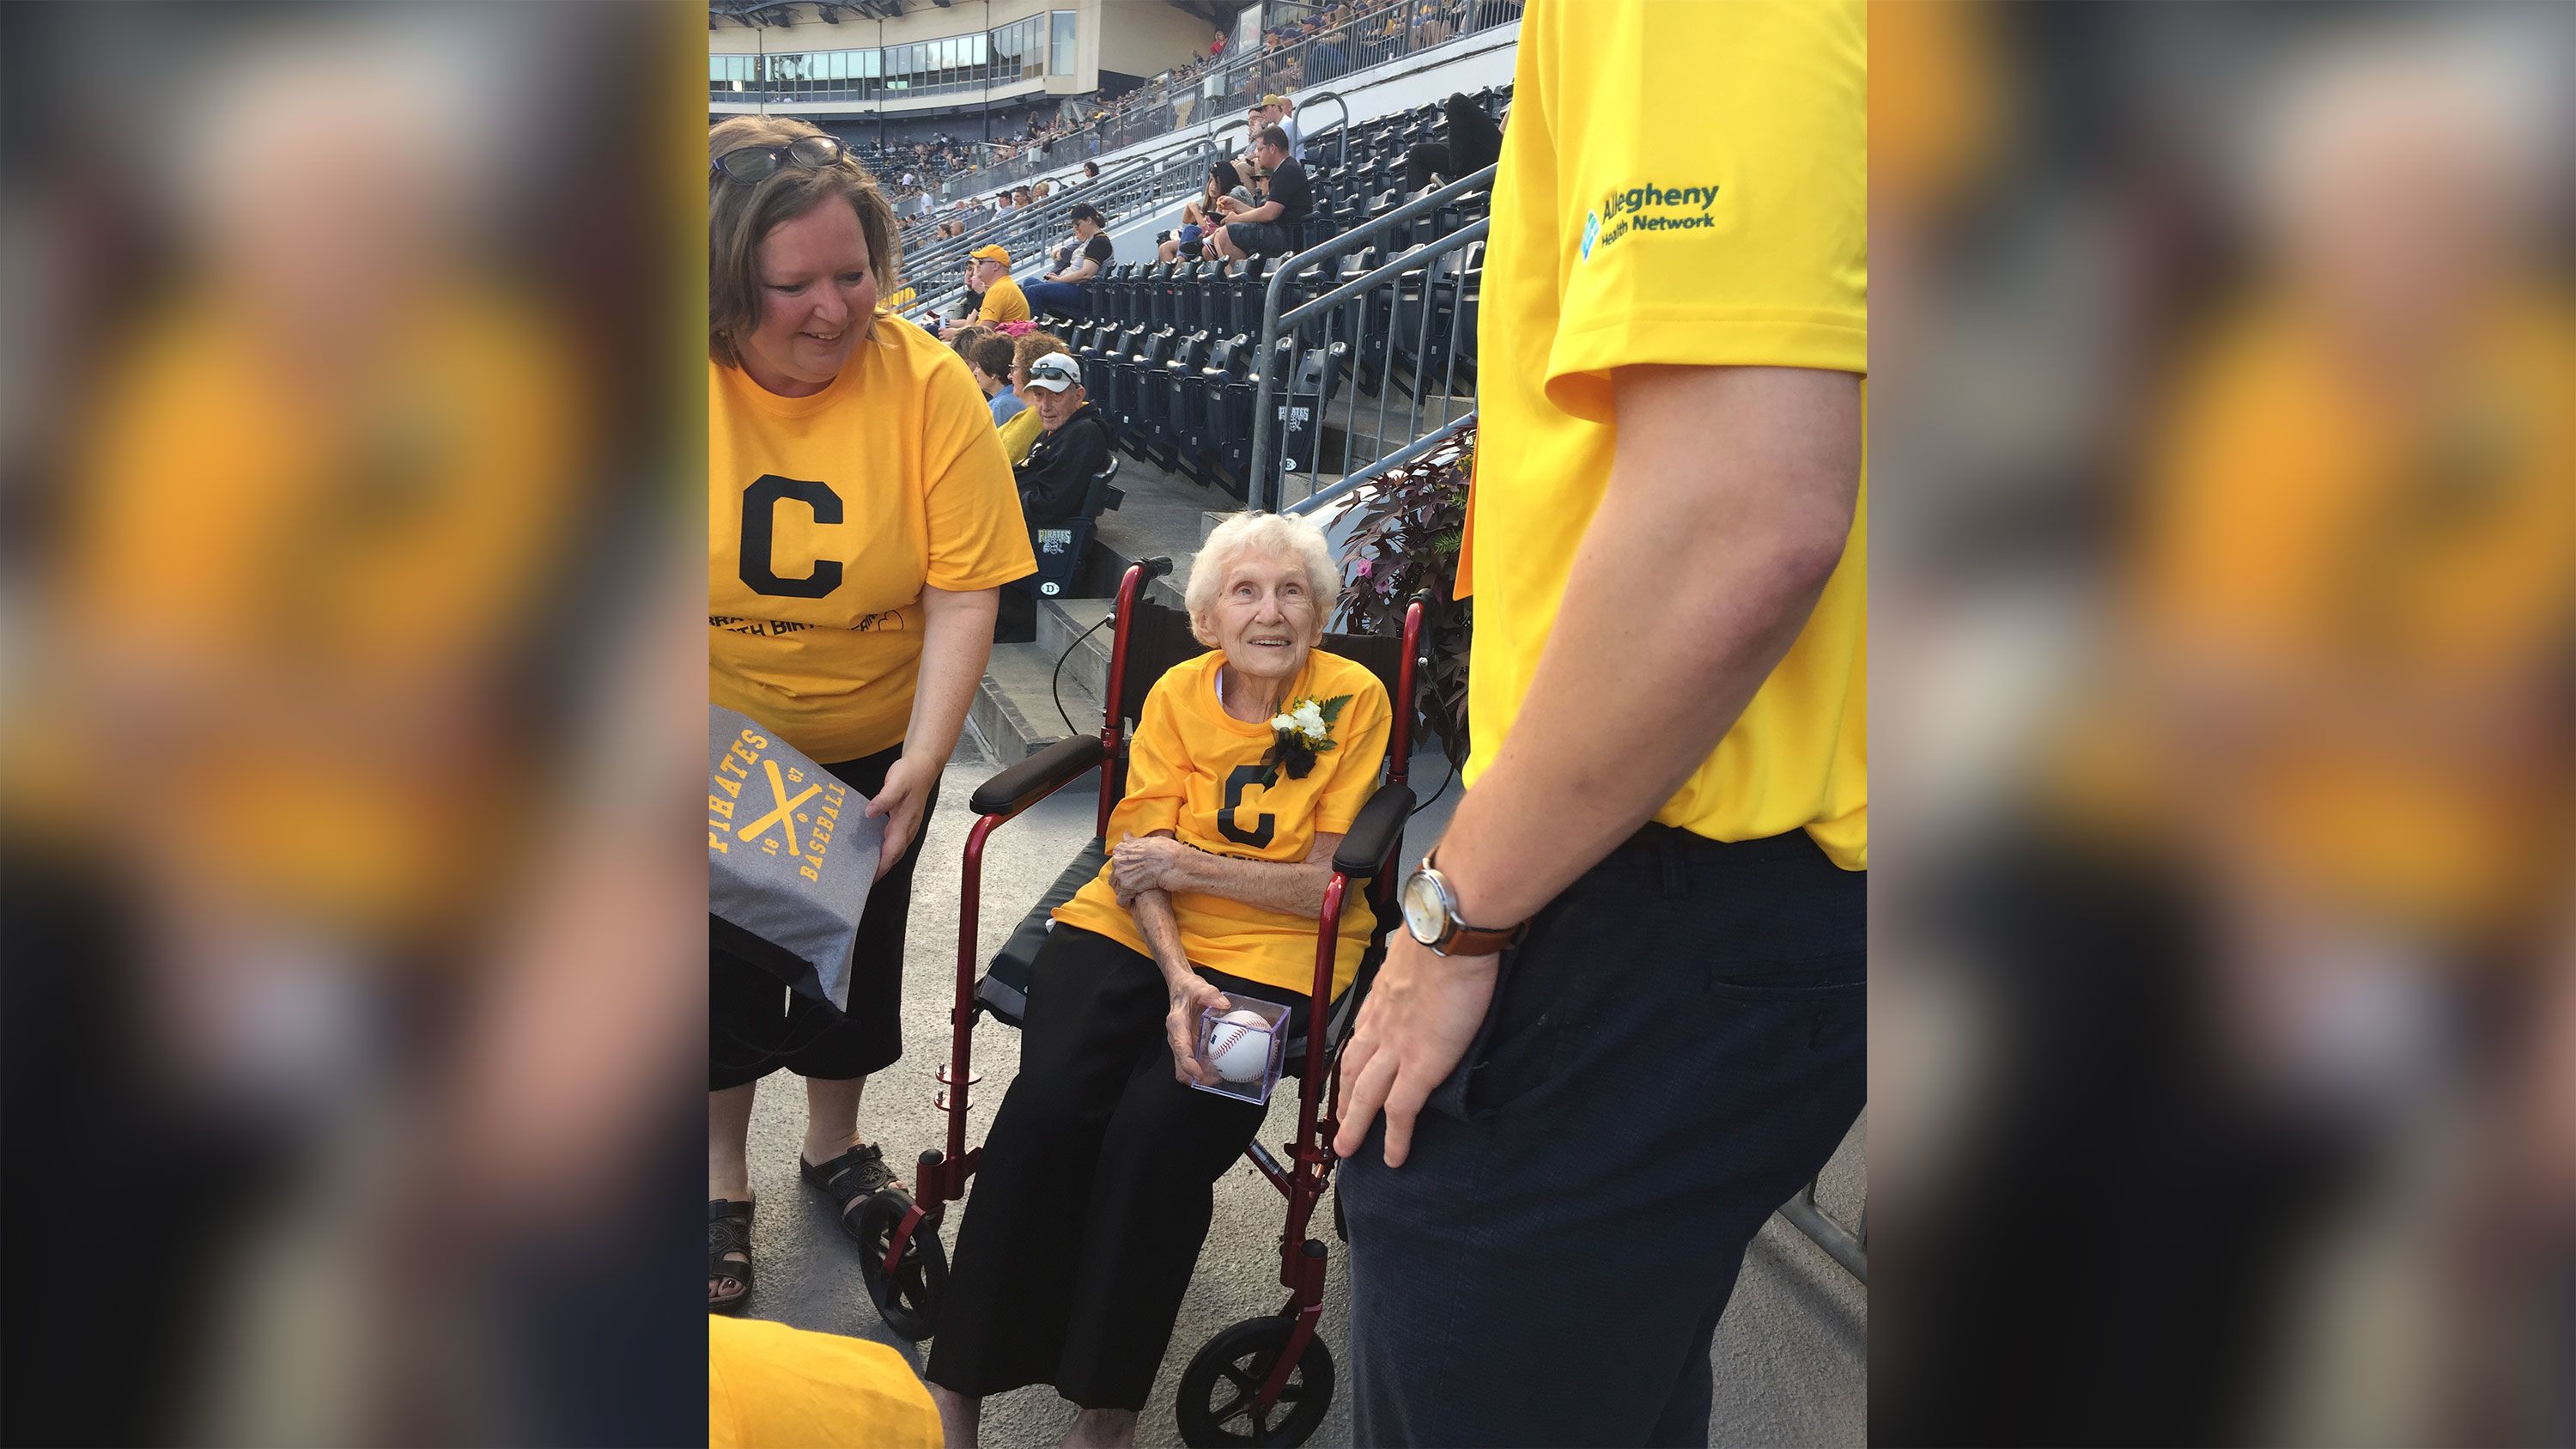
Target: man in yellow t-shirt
{"points": [[1633, 966], [988, 270]]}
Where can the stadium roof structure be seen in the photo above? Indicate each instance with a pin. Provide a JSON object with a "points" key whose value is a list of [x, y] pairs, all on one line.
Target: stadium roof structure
{"points": [[754, 14]]}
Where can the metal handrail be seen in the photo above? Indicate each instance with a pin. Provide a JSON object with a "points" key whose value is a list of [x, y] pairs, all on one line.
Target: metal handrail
{"points": [[1479, 16], [1116, 189], [1159, 187], [1273, 324], [1342, 135], [1421, 447]]}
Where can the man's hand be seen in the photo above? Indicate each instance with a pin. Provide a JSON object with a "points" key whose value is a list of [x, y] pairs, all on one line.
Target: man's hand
{"points": [[1156, 862], [1416, 1024]]}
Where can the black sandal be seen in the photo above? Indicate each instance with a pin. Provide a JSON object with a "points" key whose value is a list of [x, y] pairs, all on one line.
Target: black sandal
{"points": [[849, 1180], [728, 1239]]}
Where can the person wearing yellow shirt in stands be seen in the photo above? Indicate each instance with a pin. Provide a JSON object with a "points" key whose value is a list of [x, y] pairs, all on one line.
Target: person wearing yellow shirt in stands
{"points": [[1631, 980], [769, 1385], [1093, 1193], [860, 521], [988, 271]]}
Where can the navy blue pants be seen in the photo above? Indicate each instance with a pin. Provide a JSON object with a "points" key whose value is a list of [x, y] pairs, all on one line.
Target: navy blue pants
{"points": [[1673, 1050], [1057, 299]]}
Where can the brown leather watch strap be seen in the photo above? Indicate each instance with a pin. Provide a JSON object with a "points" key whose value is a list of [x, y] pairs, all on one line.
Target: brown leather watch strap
{"points": [[1467, 941]]}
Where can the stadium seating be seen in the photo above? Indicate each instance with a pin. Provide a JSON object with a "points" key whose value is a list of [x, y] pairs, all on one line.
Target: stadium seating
{"points": [[1169, 348]]}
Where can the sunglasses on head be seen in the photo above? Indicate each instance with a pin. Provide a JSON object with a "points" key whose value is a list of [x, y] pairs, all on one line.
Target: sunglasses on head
{"points": [[758, 163]]}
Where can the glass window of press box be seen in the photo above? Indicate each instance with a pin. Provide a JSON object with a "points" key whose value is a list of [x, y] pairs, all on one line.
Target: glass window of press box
{"points": [[1027, 49]]}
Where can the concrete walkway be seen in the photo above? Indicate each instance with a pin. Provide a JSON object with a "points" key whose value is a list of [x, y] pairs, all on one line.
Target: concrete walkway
{"points": [[1790, 1355]]}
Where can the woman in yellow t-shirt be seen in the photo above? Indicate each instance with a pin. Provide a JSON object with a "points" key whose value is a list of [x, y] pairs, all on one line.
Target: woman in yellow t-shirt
{"points": [[860, 519], [1212, 892]]}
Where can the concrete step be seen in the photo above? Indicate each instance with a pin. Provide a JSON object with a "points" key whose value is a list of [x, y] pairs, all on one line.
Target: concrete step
{"points": [[1069, 624], [1014, 709]]}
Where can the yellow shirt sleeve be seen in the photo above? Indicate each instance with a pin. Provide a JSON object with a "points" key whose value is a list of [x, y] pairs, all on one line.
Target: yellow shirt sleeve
{"points": [[1747, 245], [978, 538], [771, 1385], [1157, 766], [1362, 733], [1020, 434]]}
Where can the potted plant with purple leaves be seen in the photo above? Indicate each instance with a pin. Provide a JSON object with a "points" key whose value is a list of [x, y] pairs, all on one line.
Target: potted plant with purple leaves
{"points": [[1408, 524]]}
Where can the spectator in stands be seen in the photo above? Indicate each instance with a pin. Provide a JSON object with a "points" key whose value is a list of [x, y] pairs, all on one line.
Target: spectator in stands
{"points": [[1044, 190], [989, 272], [1090, 170], [989, 359], [1201, 213], [1277, 226], [1277, 110], [1076, 445], [1217, 46], [1022, 432], [1474, 143], [1025, 196], [963, 340], [1065, 291]]}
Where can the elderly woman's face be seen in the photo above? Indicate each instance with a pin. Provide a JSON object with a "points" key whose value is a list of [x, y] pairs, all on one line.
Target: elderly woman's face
{"points": [[1266, 618], [816, 295]]}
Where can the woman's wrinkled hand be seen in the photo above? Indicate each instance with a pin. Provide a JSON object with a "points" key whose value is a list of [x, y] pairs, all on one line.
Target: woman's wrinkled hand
{"points": [[1192, 996], [1152, 863]]}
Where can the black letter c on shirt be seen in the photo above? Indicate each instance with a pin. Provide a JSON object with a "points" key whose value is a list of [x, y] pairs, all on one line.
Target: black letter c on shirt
{"points": [[1235, 784], [759, 503]]}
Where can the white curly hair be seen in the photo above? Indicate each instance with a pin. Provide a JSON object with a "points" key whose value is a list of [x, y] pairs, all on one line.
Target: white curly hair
{"points": [[1264, 534]]}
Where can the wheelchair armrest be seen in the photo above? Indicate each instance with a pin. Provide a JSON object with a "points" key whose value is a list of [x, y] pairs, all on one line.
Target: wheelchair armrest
{"points": [[1379, 825], [1038, 776]]}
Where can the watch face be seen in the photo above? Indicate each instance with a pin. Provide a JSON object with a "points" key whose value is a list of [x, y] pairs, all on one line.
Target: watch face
{"points": [[1426, 915]]}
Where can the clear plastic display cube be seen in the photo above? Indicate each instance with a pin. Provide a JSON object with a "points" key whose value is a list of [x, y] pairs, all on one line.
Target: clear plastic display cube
{"points": [[1245, 1043]]}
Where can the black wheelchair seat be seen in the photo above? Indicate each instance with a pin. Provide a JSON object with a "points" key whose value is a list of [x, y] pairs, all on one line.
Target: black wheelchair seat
{"points": [[1004, 991]]}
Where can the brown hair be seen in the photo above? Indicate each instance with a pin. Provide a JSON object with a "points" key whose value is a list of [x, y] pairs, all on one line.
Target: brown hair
{"points": [[995, 354], [1274, 137], [966, 339], [740, 215], [1032, 346]]}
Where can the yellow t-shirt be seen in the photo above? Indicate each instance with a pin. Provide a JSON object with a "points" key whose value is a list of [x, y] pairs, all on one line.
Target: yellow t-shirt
{"points": [[1681, 184], [371, 555], [2340, 541], [769, 1386], [1196, 771], [826, 517], [1021, 434], [1004, 302]]}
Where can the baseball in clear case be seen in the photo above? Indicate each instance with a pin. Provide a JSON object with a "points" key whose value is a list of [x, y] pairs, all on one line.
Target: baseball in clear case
{"points": [[1245, 1043]]}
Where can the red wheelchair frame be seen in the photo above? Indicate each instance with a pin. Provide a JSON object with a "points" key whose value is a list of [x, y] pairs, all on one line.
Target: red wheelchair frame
{"points": [[905, 1277]]}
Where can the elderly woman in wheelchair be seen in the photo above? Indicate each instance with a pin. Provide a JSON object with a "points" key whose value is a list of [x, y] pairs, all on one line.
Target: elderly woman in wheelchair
{"points": [[1093, 1192]]}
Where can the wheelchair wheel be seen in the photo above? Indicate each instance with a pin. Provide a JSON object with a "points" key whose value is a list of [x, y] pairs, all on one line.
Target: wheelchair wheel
{"points": [[906, 1297], [1217, 1389]]}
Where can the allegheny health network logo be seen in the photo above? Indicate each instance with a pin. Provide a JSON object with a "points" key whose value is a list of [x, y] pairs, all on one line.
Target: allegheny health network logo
{"points": [[1648, 207]]}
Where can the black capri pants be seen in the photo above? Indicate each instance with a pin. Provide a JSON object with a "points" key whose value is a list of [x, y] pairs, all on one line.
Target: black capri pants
{"points": [[1095, 1187], [756, 1026]]}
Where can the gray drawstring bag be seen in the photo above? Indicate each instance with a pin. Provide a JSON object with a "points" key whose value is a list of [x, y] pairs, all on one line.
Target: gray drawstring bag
{"points": [[790, 857]]}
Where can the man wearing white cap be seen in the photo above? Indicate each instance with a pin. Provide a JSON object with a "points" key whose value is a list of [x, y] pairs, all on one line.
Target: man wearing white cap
{"points": [[1072, 450]]}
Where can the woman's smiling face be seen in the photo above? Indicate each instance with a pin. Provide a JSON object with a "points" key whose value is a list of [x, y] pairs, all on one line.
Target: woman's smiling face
{"points": [[1267, 618], [816, 298]]}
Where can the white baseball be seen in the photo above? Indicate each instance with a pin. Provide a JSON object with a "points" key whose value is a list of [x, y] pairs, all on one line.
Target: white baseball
{"points": [[1239, 1046]]}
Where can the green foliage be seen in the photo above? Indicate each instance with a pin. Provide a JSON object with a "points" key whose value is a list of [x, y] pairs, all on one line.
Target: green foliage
{"points": [[1409, 525]]}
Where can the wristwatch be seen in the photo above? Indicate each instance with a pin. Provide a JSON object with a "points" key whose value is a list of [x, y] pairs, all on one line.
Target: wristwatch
{"points": [[1431, 914]]}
